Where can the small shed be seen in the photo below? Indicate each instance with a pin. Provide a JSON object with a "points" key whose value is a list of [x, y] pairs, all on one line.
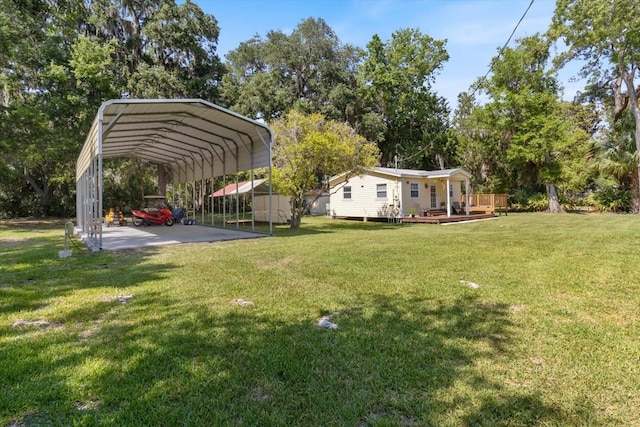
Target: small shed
{"points": [[279, 205], [319, 206]]}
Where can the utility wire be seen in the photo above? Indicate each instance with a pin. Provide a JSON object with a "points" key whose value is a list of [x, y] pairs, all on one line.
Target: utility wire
{"points": [[502, 49], [483, 78]]}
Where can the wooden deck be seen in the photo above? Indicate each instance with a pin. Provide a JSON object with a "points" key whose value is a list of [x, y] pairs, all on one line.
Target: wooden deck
{"points": [[488, 203], [442, 219]]}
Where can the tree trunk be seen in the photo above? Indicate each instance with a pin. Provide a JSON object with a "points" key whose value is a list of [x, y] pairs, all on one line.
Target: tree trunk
{"points": [[554, 203], [297, 210], [162, 180], [43, 193], [635, 191], [635, 109]]}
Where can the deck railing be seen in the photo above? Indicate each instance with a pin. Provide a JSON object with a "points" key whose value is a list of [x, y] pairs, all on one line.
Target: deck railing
{"points": [[489, 203]]}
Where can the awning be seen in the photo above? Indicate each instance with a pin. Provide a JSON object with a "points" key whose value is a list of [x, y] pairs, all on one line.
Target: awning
{"points": [[242, 187]]}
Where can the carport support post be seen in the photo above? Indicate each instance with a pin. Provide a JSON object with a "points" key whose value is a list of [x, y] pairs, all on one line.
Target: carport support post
{"points": [[270, 186], [224, 200], [237, 194], [253, 225], [203, 190], [99, 183], [212, 198], [237, 199]]}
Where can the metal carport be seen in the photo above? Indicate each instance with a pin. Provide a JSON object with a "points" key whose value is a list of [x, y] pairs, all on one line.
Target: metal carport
{"points": [[193, 138]]}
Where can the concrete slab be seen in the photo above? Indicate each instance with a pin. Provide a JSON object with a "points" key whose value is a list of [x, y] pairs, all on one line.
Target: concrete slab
{"points": [[130, 237]]}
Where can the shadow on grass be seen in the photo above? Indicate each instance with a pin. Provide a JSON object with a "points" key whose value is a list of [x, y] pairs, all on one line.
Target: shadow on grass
{"points": [[154, 361], [323, 226], [32, 275]]}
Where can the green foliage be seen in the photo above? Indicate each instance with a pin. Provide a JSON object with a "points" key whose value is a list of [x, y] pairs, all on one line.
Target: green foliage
{"points": [[525, 201], [616, 155], [308, 149], [577, 167], [60, 60], [524, 137], [396, 81], [610, 198], [307, 71], [605, 36], [126, 182], [538, 202]]}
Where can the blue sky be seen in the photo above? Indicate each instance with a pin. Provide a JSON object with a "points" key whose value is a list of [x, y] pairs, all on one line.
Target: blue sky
{"points": [[474, 29]]}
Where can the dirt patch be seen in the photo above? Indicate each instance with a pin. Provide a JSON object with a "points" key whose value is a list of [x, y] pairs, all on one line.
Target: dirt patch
{"points": [[260, 395]]}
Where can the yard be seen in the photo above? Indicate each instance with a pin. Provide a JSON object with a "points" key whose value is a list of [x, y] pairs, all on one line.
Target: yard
{"points": [[529, 319]]}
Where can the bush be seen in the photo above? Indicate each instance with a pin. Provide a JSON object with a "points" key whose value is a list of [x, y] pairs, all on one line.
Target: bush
{"points": [[523, 201], [611, 199], [518, 201], [538, 202], [579, 200]]}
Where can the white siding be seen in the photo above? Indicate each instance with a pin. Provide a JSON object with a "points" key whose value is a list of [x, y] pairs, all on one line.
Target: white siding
{"points": [[280, 209], [364, 201], [419, 204]]}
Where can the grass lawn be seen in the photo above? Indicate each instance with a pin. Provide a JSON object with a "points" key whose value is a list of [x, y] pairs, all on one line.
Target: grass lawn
{"points": [[529, 319]]}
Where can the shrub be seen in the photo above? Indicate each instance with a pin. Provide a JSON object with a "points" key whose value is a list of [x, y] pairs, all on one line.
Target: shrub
{"points": [[538, 202], [611, 199], [518, 201]]}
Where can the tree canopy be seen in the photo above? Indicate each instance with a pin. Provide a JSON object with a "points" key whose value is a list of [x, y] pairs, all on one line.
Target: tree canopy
{"points": [[309, 70], [605, 34], [396, 80], [59, 60], [309, 149]]}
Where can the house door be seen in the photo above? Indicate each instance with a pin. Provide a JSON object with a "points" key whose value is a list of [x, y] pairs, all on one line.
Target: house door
{"points": [[434, 199]]}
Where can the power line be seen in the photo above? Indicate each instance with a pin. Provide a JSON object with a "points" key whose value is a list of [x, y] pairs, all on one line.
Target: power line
{"points": [[503, 48], [481, 80]]}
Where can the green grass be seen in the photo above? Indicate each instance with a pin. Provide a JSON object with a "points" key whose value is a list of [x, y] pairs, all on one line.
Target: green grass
{"points": [[551, 335]]}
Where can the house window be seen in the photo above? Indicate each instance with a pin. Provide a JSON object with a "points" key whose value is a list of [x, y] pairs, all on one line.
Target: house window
{"points": [[451, 190], [346, 192], [434, 198], [415, 192], [381, 191]]}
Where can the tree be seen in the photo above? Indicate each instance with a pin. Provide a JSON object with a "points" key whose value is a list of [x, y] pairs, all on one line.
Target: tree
{"points": [[524, 117], [480, 148], [307, 70], [43, 110], [59, 60], [606, 35], [574, 153], [308, 149], [161, 50], [396, 80], [616, 161]]}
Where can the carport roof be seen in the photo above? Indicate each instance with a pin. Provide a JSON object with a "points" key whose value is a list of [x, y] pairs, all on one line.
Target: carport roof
{"points": [[195, 138]]}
